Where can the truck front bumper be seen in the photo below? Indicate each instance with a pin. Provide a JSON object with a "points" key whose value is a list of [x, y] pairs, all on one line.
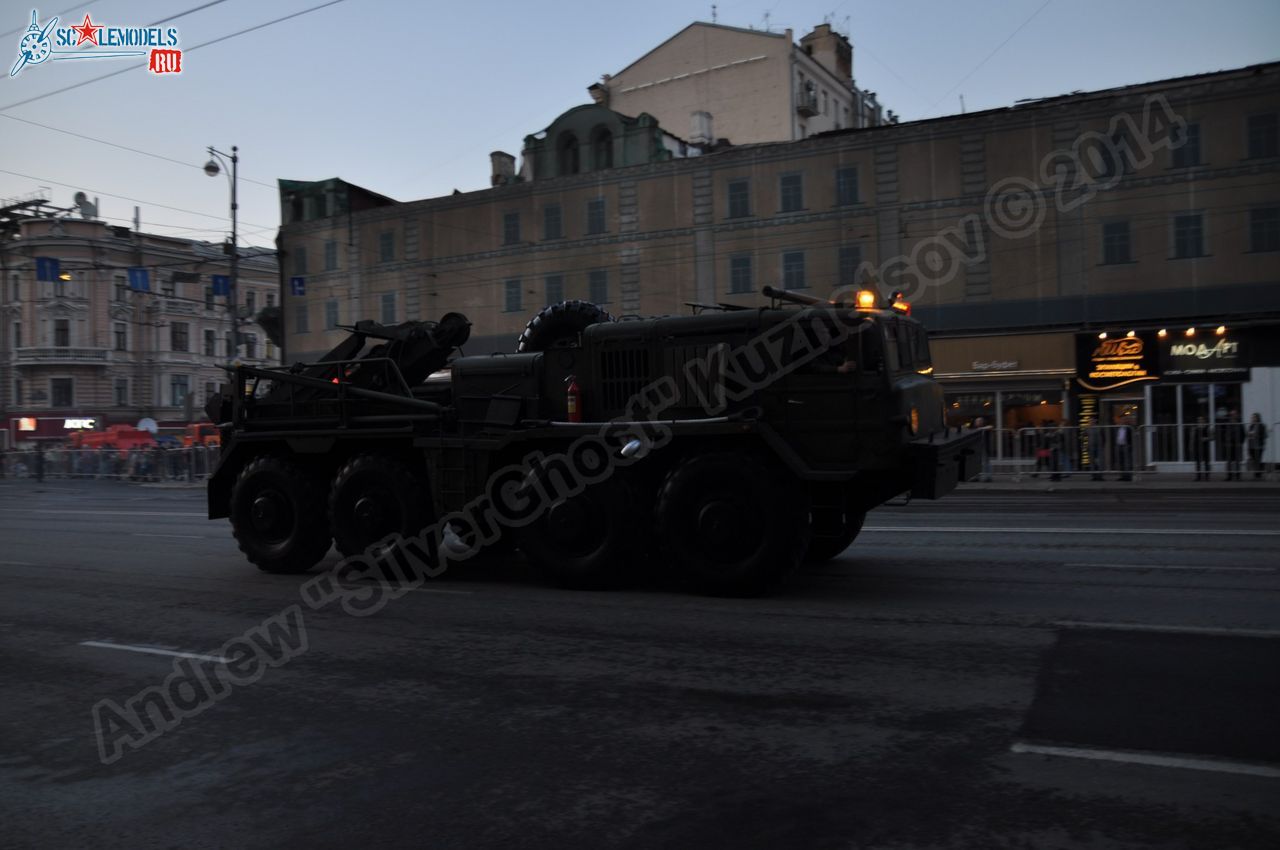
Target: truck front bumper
{"points": [[943, 460]]}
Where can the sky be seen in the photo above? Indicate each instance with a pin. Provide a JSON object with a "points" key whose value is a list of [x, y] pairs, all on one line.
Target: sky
{"points": [[408, 99]]}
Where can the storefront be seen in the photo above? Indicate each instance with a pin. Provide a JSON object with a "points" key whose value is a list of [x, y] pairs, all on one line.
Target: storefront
{"points": [[23, 430]]}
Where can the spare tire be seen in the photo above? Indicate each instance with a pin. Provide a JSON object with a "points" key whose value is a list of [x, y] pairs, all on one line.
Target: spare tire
{"points": [[560, 325]]}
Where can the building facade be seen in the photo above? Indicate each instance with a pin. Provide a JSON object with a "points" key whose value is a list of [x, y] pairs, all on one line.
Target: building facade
{"points": [[86, 343], [710, 82], [1021, 235]]}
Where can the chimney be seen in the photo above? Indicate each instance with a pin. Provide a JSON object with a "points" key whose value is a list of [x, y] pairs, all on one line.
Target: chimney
{"points": [[600, 92], [504, 168], [700, 134], [831, 50]]}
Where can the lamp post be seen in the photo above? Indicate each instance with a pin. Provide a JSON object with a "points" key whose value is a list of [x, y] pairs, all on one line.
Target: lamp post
{"points": [[233, 304]]}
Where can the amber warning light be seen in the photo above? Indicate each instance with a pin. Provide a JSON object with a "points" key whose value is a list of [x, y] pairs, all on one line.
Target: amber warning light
{"points": [[866, 299]]}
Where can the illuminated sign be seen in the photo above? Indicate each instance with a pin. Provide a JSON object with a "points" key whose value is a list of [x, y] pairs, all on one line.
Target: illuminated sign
{"points": [[72, 424], [1216, 359], [27, 423], [1110, 363]]}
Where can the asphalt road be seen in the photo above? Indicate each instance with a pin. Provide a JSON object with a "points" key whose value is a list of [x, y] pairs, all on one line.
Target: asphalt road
{"points": [[1021, 670]]}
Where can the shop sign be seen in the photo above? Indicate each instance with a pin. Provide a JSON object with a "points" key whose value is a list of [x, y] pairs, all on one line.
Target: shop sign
{"points": [[76, 424], [1207, 360], [28, 423], [994, 365], [1107, 364]]}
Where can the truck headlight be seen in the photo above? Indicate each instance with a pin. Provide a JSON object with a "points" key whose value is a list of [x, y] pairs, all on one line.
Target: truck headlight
{"points": [[915, 420]]}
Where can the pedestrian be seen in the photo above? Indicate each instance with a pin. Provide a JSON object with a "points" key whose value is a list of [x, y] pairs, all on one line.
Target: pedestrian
{"points": [[1201, 445], [1054, 441], [1256, 441], [39, 462], [1232, 441], [1044, 449], [1095, 448], [1124, 449]]}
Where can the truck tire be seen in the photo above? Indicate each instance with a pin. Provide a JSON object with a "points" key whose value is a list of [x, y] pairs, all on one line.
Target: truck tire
{"points": [[278, 517], [373, 496], [585, 542], [560, 325], [824, 547], [730, 525]]}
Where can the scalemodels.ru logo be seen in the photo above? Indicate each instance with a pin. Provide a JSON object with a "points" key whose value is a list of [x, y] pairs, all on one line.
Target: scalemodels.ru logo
{"points": [[96, 41]]}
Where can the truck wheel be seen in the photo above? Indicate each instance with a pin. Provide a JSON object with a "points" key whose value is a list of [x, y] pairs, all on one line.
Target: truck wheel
{"points": [[373, 496], [730, 525], [824, 547], [586, 541], [559, 325], [277, 516]]}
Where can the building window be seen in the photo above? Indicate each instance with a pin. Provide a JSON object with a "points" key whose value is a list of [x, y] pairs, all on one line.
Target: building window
{"points": [[178, 336], [791, 192], [554, 285], [208, 298], [846, 186], [1187, 150], [595, 216], [251, 346], [251, 300], [386, 246], [552, 223], [17, 393], [62, 391], [511, 228], [270, 350], [598, 286], [17, 334], [122, 336], [740, 274], [388, 308], [301, 323], [1264, 229], [300, 259], [17, 287], [122, 288], [330, 314], [849, 259], [167, 287], [210, 344], [567, 154], [330, 255], [178, 389], [61, 333], [231, 349], [739, 198], [1264, 136], [271, 299], [602, 149], [512, 296], [1116, 247], [122, 392], [1188, 235], [210, 390], [793, 270]]}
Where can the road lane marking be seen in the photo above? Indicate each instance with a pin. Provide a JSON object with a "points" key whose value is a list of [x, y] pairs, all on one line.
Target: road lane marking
{"points": [[184, 536], [368, 582], [1151, 627], [1081, 531], [1176, 567], [151, 650], [1152, 759], [18, 564]]}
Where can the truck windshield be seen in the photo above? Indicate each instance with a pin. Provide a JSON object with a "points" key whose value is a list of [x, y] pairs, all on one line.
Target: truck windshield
{"points": [[907, 345]]}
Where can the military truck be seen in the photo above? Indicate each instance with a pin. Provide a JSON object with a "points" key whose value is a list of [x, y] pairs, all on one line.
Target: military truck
{"points": [[725, 446]]}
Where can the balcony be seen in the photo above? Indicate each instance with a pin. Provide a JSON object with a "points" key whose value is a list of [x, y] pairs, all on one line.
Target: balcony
{"points": [[807, 103], [58, 356]]}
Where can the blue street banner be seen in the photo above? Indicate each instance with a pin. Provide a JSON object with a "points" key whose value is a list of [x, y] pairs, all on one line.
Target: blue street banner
{"points": [[221, 284], [139, 280], [297, 286], [47, 268]]}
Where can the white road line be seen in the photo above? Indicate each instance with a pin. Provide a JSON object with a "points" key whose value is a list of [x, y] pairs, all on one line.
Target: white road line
{"points": [[1081, 531], [151, 650], [185, 536], [200, 514], [1150, 627], [420, 589], [1176, 567], [1130, 757]]}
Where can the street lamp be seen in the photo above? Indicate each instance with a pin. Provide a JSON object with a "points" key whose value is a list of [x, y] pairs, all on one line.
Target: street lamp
{"points": [[233, 305]]}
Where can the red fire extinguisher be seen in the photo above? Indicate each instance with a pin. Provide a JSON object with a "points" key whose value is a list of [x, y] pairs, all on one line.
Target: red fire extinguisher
{"points": [[573, 400]]}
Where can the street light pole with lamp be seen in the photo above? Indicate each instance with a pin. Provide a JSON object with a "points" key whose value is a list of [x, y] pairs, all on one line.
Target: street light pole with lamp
{"points": [[233, 304]]}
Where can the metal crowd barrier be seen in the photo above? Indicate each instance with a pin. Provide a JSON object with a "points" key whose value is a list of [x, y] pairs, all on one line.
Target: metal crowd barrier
{"points": [[1214, 451], [152, 464]]}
